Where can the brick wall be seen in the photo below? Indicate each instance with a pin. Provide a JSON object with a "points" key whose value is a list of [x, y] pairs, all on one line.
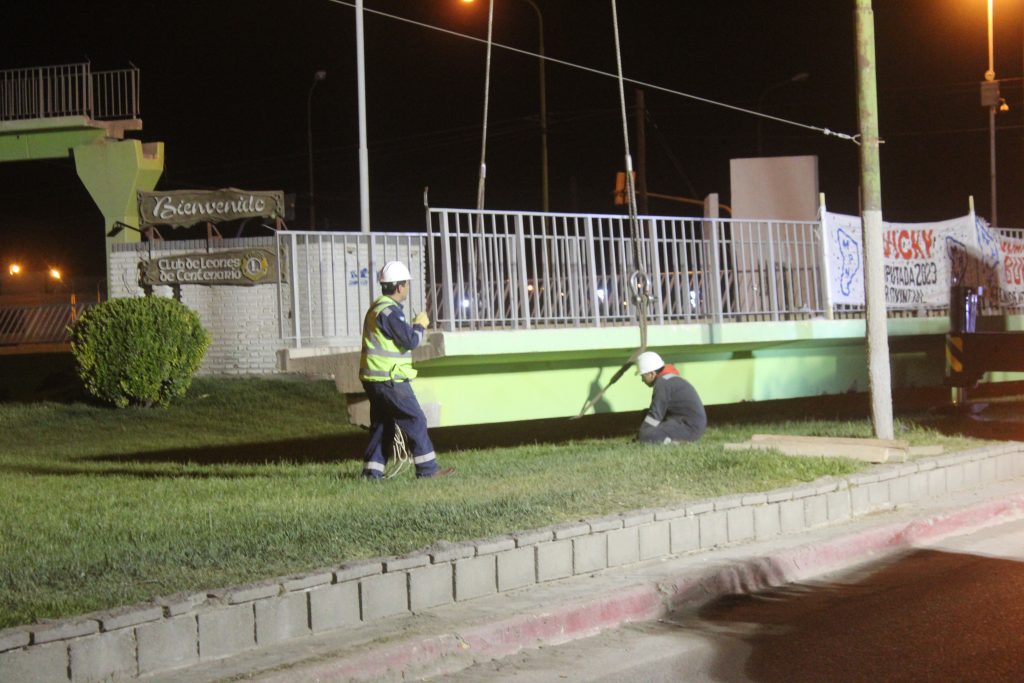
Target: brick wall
{"points": [[242, 320]]}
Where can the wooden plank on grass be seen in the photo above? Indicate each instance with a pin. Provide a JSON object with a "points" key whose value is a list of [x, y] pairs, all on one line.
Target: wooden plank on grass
{"points": [[883, 443], [855, 449]]}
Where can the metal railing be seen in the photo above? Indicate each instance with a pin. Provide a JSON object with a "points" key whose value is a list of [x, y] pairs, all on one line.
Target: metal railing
{"points": [[69, 90], [41, 323], [328, 282], [115, 95], [522, 270], [489, 270]]}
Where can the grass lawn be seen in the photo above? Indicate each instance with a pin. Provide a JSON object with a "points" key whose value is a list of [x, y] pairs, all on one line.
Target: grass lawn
{"points": [[247, 479]]}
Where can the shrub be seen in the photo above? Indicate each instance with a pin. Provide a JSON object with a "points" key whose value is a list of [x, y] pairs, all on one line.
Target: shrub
{"points": [[138, 351]]}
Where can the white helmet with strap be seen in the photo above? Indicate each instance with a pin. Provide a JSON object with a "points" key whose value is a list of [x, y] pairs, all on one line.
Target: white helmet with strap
{"points": [[394, 271], [649, 361]]}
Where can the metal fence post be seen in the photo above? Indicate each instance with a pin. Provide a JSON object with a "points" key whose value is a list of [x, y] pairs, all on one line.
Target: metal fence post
{"points": [[296, 312], [716, 276], [821, 231], [431, 294], [524, 280], [774, 271], [280, 281], [592, 260], [446, 272], [655, 267]]}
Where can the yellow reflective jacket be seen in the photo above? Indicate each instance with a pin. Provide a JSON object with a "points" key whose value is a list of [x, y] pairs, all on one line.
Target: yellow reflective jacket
{"points": [[382, 359]]}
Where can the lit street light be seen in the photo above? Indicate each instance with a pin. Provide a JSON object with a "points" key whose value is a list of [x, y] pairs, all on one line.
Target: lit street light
{"points": [[795, 78], [545, 196], [317, 77]]}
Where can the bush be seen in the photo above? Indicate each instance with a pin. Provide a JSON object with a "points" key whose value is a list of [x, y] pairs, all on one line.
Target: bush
{"points": [[139, 351]]}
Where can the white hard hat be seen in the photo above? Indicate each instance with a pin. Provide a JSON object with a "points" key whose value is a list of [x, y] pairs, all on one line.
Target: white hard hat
{"points": [[648, 361], [394, 271]]}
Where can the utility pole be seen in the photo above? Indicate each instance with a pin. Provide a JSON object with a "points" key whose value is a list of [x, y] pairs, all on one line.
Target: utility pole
{"points": [[879, 379]]}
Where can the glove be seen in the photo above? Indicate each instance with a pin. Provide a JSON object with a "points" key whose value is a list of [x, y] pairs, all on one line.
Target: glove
{"points": [[422, 319]]}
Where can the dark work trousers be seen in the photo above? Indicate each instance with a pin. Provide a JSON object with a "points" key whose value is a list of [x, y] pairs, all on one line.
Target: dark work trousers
{"points": [[670, 430], [391, 404]]}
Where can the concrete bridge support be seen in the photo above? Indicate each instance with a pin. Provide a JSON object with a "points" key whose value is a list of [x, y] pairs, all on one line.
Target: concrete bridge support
{"points": [[114, 171]]}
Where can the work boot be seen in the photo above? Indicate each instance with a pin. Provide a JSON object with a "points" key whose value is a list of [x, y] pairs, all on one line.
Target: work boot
{"points": [[446, 472]]}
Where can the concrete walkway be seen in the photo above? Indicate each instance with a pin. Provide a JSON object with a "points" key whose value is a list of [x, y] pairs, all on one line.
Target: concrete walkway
{"points": [[452, 637]]}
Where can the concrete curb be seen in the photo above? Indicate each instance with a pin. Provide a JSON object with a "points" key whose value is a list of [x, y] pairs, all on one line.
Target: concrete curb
{"points": [[186, 630], [450, 652]]}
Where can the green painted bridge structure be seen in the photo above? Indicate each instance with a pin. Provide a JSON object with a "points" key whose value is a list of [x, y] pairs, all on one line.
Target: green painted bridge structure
{"points": [[502, 376], [533, 314], [69, 110]]}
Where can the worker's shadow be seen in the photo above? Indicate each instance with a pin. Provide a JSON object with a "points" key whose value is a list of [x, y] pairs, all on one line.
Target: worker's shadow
{"points": [[600, 405], [599, 421]]}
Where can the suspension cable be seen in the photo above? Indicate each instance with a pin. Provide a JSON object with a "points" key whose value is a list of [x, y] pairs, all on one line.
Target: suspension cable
{"points": [[854, 138], [640, 279], [487, 97], [640, 275]]}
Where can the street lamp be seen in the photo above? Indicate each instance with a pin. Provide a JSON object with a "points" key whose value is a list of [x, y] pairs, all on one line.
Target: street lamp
{"points": [[364, 152], [545, 195], [317, 77], [990, 98], [795, 78]]}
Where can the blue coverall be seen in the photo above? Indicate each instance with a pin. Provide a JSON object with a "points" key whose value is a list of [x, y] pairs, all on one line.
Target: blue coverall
{"points": [[394, 403]]}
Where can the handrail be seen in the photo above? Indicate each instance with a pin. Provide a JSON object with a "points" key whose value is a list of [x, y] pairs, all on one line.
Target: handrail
{"points": [[44, 92]]}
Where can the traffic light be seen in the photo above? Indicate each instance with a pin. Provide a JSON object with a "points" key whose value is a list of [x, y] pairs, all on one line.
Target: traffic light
{"points": [[621, 197]]}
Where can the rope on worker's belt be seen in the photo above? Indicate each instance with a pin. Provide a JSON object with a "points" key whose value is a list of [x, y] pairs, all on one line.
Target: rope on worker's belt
{"points": [[640, 280], [401, 453]]}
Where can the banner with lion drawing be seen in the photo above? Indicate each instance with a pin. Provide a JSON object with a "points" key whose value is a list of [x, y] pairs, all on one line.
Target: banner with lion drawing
{"points": [[923, 260]]}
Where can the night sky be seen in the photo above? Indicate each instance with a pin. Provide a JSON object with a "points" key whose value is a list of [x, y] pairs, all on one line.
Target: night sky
{"points": [[225, 84]]}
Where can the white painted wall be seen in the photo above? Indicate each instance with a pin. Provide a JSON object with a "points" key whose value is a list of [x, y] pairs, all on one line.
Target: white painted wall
{"points": [[242, 320], [335, 285]]}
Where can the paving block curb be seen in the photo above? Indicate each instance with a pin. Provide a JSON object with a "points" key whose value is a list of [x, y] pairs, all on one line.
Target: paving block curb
{"points": [[556, 624], [357, 594]]}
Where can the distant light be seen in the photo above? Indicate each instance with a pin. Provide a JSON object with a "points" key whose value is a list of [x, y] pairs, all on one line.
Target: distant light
{"points": [[14, 269], [54, 273], [465, 303], [600, 294], [529, 288]]}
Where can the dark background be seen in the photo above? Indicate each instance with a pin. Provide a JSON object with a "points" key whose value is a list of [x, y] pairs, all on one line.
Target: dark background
{"points": [[225, 86]]}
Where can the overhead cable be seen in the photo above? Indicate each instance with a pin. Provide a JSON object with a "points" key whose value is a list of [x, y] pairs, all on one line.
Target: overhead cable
{"points": [[789, 122]]}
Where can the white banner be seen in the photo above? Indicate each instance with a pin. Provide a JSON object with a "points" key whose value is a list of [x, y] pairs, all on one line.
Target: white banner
{"points": [[844, 258], [922, 260], [1011, 271]]}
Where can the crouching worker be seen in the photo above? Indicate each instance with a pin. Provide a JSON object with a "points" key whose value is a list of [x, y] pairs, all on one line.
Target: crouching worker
{"points": [[676, 412], [385, 369]]}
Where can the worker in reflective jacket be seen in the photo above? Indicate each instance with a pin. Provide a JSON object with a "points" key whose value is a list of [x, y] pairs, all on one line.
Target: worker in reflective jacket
{"points": [[385, 369], [676, 412]]}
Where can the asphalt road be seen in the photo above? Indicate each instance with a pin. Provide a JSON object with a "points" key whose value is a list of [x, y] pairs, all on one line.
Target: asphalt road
{"points": [[953, 612]]}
